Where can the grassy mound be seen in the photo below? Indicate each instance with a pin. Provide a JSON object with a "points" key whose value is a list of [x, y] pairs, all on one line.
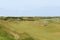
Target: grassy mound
{"points": [[4, 35]]}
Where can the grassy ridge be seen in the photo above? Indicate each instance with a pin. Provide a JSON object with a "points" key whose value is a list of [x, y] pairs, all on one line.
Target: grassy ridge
{"points": [[4, 35]]}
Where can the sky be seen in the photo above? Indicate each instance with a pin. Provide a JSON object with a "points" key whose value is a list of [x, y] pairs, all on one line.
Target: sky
{"points": [[29, 7]]}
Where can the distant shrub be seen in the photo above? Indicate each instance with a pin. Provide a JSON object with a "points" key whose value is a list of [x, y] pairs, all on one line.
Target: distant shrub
{"points": [[50, 21]]}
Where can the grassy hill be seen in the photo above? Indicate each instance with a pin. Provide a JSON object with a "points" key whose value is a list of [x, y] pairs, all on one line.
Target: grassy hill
{"points": [[29, 28]]}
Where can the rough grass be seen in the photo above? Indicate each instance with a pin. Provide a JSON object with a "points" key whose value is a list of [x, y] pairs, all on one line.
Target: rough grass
{"points": [[4, 35], [32, 30]]}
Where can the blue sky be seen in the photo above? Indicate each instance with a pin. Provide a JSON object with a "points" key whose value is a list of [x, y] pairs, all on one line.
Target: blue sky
{"points": [[29, 7]]}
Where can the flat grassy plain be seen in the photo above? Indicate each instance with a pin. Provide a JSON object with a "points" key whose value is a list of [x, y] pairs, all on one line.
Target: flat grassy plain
{"points": [[34, 28]]}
